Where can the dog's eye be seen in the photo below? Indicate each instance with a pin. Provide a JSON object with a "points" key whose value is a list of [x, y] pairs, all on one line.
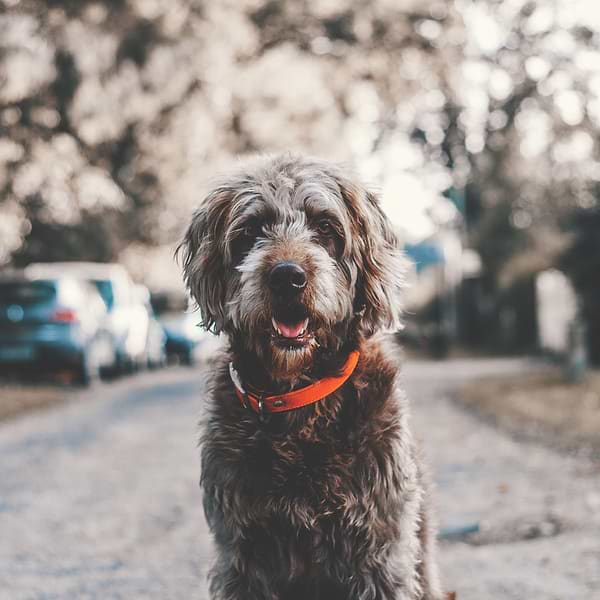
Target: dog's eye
{"points": [[252, 230], [324, 227], [243, 238]]}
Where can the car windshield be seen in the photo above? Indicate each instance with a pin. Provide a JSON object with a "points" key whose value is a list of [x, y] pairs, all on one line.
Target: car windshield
{"points": [[26, 292], [105, 287]]}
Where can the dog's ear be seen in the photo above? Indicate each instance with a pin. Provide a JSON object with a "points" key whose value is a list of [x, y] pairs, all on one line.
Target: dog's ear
{"points": [[203, 258], [379, 257]]}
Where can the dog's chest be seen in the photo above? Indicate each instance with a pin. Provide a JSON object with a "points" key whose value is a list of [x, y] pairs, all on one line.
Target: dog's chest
{"points": [[317, 495], [311, 478]]}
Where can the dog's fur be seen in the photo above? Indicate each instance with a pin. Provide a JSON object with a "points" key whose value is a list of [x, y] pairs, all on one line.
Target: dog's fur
{"points": [[327, 501]]}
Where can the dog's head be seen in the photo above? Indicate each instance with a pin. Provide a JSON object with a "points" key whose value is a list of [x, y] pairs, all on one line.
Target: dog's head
{"points": [[289, 256]]}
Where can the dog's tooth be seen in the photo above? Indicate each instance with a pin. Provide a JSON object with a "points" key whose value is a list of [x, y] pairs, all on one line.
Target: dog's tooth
{"points": [[275, 326]]}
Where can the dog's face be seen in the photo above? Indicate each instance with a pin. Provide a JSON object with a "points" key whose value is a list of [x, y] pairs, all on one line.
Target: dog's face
{"points": [[287, 257]]}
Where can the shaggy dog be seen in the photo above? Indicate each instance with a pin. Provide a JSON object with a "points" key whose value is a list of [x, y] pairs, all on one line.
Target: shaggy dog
{"points": [[299, 267]]}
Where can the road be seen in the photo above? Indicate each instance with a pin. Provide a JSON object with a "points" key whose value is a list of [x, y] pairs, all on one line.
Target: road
{"points": [[99, 497]]}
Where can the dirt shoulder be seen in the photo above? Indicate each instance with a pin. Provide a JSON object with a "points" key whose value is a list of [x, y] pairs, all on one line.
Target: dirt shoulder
{"points": [[16, 399], [541, 406]]}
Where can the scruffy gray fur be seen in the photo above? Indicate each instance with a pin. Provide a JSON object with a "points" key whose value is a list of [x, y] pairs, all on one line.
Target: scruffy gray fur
{"points": [[327, 501]]}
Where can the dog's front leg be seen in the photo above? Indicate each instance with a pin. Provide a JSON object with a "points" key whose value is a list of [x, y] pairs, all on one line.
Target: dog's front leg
{"points": [[238, 573], [229, 583], [383, 584]]}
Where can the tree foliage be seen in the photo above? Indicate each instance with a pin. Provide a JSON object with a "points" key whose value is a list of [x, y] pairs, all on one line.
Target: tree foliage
{"points": [[114, 114]]}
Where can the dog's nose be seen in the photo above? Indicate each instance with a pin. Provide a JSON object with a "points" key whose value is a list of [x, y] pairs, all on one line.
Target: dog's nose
{"points": [[287, 278]]}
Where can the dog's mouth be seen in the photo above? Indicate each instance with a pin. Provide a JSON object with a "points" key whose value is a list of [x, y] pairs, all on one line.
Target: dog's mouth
{"points": [[291, 333]]}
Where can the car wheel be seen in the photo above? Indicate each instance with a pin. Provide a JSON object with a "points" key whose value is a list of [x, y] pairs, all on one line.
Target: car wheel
{"points": [[88, 371], [126, 366], [109, 359], [186, 357]]}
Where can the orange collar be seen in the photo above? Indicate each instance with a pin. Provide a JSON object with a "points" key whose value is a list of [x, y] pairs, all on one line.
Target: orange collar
{"points": [[310, 394]]}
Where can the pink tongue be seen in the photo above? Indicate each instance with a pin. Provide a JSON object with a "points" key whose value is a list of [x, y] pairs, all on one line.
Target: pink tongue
{"points": [[290, 331]]}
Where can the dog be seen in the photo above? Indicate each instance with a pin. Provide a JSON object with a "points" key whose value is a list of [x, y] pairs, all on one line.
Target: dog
{"points": [[312, 484]]}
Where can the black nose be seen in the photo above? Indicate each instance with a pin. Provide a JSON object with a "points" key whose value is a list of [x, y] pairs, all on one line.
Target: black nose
{"points": [[287, 278]]}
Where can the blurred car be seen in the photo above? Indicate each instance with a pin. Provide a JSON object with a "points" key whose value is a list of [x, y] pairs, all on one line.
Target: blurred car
{"points": [[53, 324], [156, 338], [186, 341], [127, 317]]}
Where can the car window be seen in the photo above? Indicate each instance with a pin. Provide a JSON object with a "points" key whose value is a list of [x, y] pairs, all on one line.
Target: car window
{"points": [[26, 292], [105, 287]]}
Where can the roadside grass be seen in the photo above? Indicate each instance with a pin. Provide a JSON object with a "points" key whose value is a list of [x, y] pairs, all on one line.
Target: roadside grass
{"points": [[541, 405]]}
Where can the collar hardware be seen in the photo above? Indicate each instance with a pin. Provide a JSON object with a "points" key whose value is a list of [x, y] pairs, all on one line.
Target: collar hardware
{"points": [[261, 409]]}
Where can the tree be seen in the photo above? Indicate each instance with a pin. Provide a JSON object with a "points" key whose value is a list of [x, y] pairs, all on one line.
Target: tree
{"points": [[114, 114]]}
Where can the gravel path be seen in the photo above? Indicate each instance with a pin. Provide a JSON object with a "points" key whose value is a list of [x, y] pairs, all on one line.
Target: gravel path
{"points": [[99, 497], [539, 511]]}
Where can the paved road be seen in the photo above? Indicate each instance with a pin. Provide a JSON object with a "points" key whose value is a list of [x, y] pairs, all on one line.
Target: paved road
{"points": [[99, 497]]}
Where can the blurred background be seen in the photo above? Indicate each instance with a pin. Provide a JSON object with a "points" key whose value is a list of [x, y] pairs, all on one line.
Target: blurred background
{"points": [[478, 123]]}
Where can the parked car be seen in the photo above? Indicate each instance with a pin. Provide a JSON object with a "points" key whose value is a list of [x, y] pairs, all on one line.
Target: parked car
{"points": [[127, 317], [186, 341], [156, 339], [53, 324]]}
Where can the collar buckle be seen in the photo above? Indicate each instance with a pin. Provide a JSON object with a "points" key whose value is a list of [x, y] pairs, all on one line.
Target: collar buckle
{"points": [[237, 382]]}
